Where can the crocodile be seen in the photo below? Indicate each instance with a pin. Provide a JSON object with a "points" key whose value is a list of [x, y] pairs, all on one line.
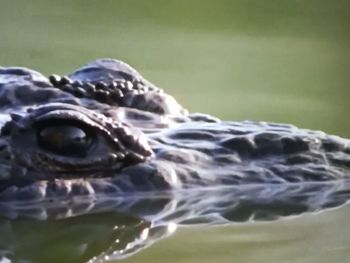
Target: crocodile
{"points": [[104, 131]]}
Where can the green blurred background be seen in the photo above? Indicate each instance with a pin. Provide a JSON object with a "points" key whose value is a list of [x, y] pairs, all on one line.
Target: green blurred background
{"points": [[273, 60]]}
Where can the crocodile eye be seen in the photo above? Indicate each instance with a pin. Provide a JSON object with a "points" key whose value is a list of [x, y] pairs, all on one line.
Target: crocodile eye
{"points": [[65, 139]]}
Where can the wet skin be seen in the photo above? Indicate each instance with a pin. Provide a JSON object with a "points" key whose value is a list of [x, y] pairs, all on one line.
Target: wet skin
{"points": [[104, 131]]}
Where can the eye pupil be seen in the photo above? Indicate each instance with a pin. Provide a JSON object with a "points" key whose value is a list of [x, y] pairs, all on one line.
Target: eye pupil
{"points": [[65, 140]]}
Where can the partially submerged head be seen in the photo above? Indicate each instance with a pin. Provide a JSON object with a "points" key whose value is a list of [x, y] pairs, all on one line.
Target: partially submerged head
{"points": [[62, 131]]}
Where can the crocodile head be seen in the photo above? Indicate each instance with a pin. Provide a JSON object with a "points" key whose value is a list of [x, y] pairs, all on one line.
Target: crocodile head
{"points": [[105, 130], [71, 135]]}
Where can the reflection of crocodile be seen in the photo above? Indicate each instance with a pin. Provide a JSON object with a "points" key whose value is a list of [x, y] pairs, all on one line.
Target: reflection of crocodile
{"points": [[92, 238], [105, 130], [123, 226]]}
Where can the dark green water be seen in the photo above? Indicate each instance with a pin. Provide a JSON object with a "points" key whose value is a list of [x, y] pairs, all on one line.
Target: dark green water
{"points": [[275, 60]]}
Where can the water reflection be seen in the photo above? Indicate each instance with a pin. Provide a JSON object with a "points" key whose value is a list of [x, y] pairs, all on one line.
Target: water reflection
{"points": [[78, 239], [99, 231]]}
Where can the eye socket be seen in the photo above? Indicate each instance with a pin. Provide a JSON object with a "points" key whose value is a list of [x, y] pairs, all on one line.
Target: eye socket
{"points": [[68, 139]]}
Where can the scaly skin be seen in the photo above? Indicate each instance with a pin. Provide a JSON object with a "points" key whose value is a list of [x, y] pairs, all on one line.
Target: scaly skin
{"points": [[104, 131]]}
